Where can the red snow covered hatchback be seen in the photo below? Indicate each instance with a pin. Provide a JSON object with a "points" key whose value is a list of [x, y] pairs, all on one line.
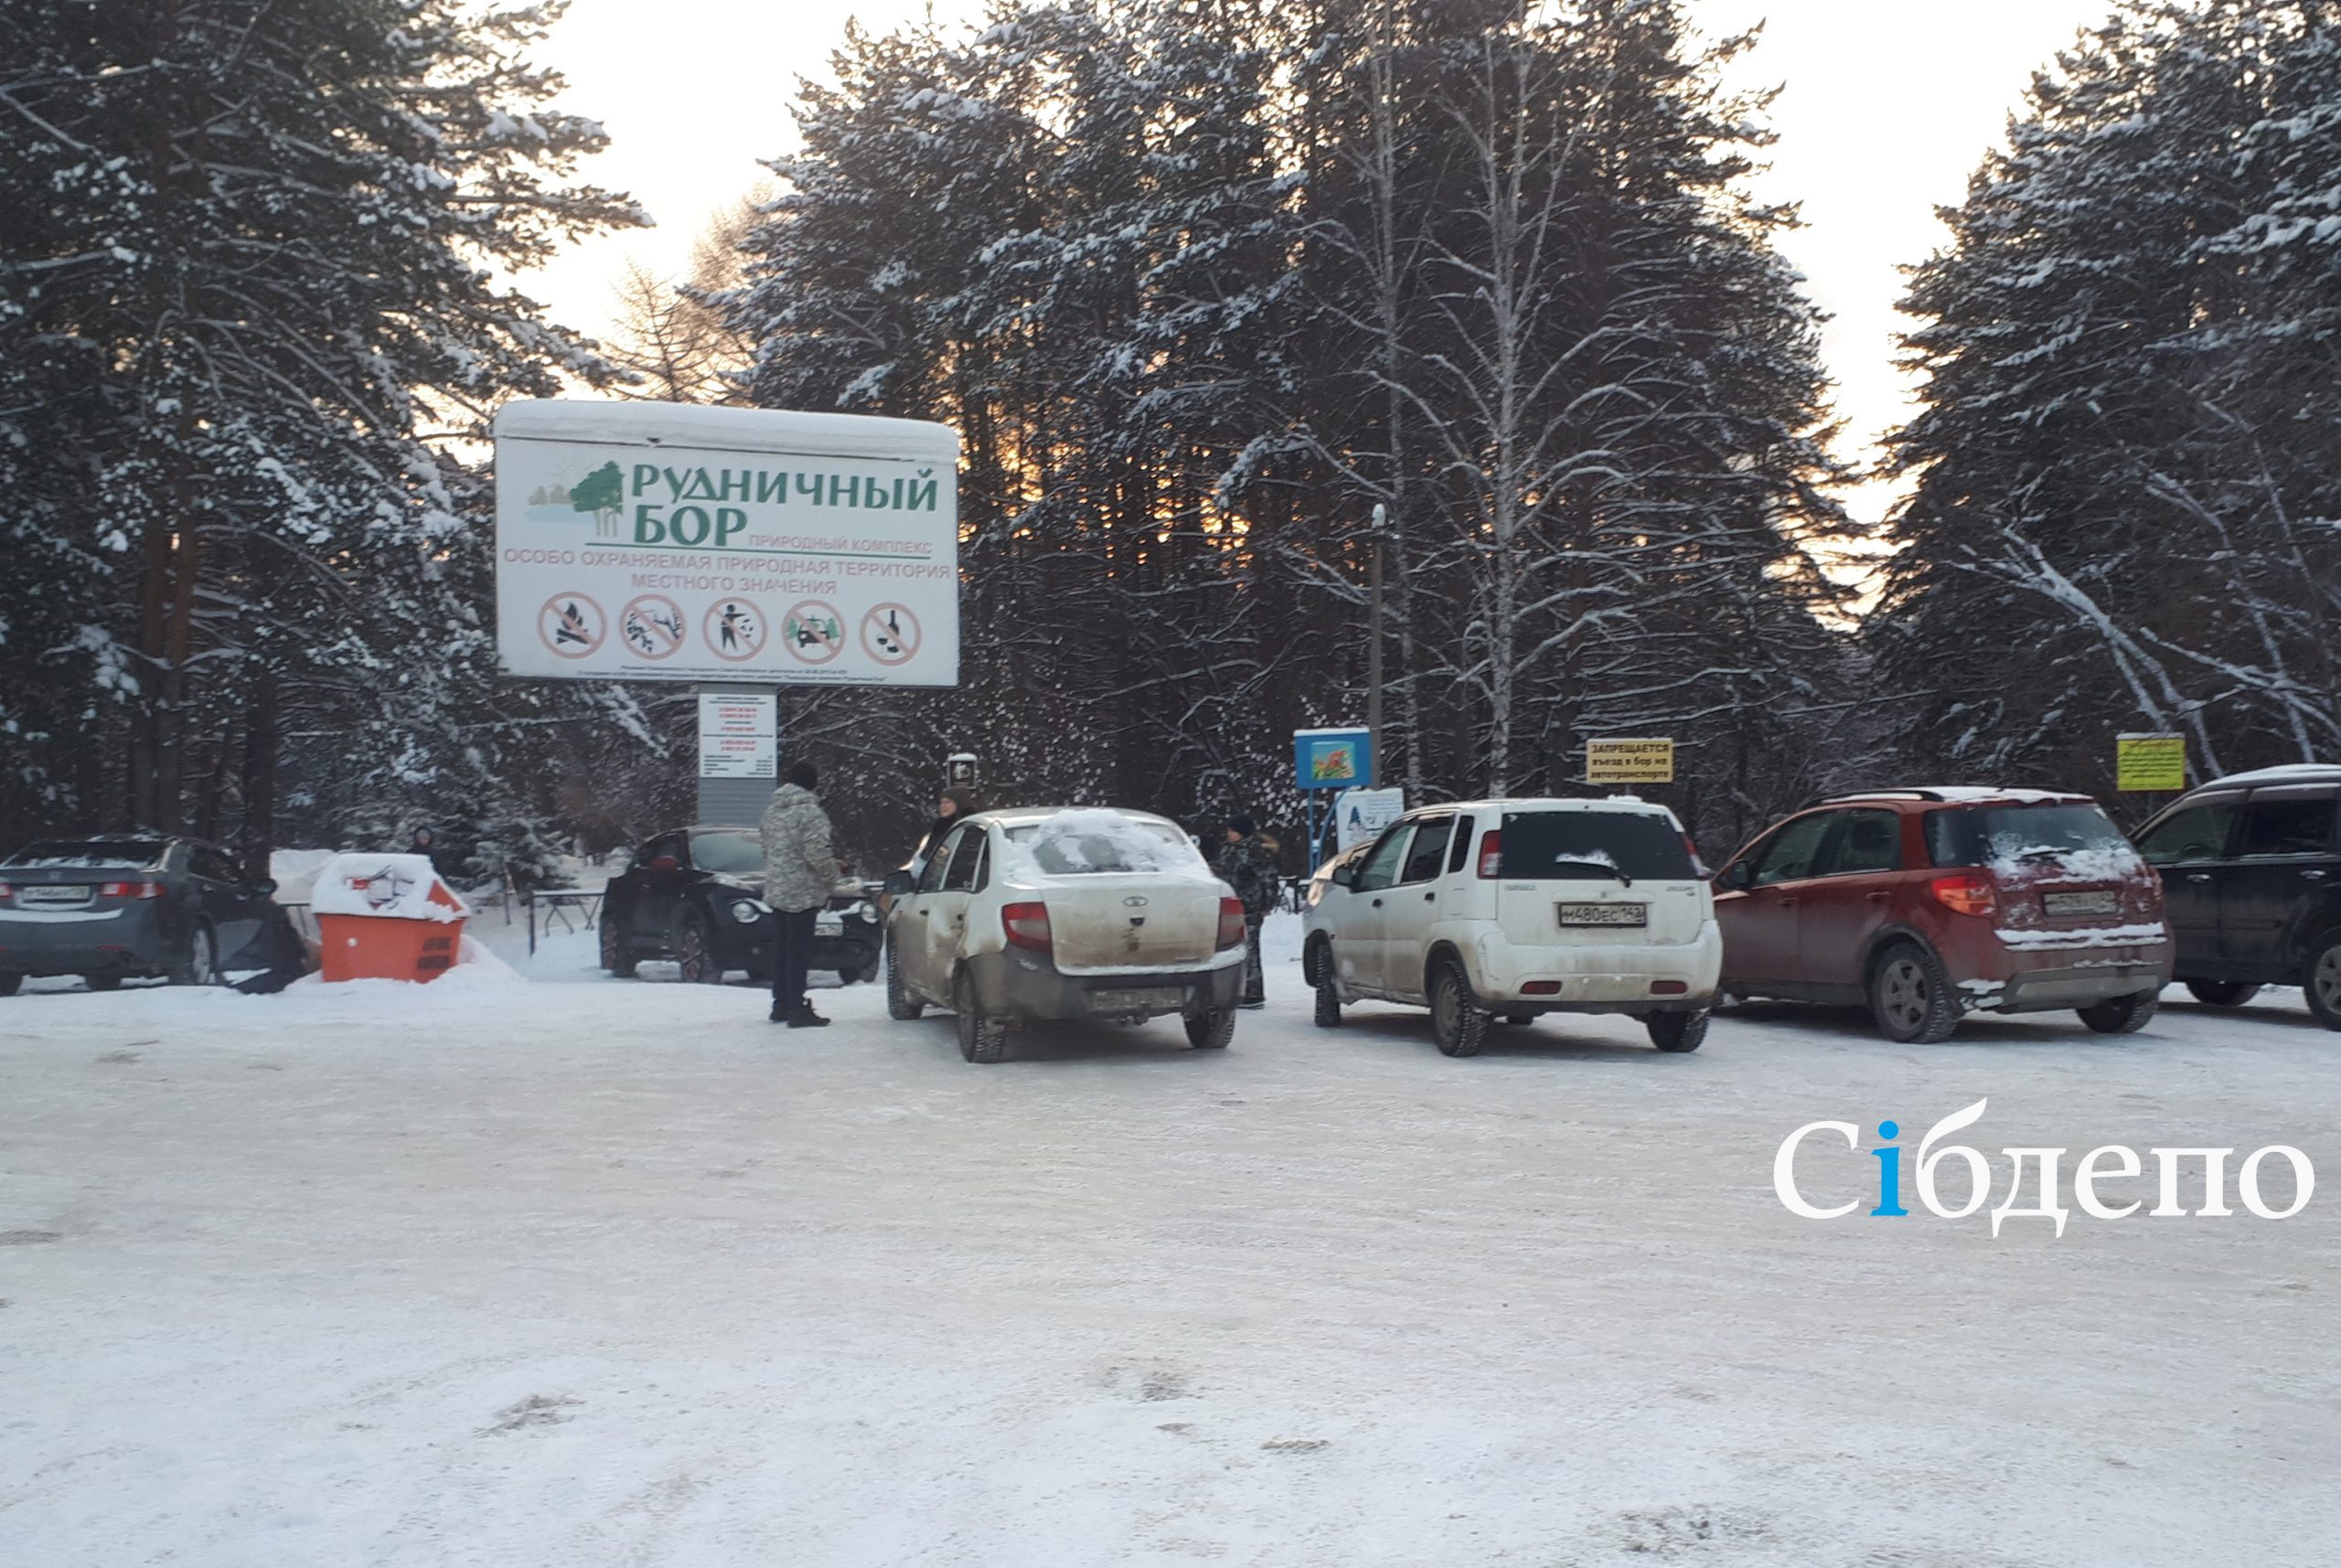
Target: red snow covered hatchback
{"points": [[1928, 903]]}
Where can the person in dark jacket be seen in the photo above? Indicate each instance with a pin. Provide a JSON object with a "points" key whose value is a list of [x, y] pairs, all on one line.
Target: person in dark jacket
{"points": [[955, 804], [1247, 863]]}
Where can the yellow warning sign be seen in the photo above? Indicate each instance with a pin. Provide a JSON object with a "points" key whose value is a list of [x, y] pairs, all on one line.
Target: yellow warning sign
{"points": [[1643, 761], [2149, 761]]}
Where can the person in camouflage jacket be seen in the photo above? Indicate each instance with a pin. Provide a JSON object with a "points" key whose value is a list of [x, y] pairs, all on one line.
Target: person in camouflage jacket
{"points": [[1247, 863], [800, 873]]}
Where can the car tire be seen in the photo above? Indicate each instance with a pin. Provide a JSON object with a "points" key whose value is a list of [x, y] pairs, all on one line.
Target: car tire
{"points": [[616, 956], [2222, 993], [198, 966], [1313, 966], [10, 982], [981, 1038], [1211, 1028], [1329, 1001], [2321, 979], [695, 953], [111, 981], [1677, 1031], [1457, 1023], [2122, 1015], [1910, 997], [900, 1006]]}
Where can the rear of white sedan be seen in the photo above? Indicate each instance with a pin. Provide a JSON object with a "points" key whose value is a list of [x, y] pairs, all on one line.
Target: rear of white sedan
{"points": [[1067, 913]]}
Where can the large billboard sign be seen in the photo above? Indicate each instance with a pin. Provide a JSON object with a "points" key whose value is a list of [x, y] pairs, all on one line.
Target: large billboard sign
{"points": [[664, 542]]}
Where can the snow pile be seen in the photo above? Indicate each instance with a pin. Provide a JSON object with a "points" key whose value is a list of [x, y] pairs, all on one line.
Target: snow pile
{"points": [[2097, 863], [1085, 841], [294, 871], [398, 886]]}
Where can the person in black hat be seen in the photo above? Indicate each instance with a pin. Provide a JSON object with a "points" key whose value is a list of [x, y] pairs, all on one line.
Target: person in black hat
{"points": [[1248, 862]]}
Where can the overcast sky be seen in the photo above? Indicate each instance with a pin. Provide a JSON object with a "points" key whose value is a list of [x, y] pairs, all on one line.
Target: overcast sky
{"points": [[1887, 106]]}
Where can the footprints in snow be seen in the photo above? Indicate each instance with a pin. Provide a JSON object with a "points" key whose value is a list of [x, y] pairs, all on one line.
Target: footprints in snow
{"points": [[537, 1410], [1153, 1384]]}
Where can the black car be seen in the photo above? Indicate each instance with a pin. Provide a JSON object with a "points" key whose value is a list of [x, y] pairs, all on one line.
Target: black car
{"points": [[2251, 885], [695, 895], [112, 906]]}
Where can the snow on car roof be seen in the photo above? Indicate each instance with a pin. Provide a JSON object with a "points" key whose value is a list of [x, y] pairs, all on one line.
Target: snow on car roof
{"points": [[2283, 773], [1553, 803], [726, 429]]}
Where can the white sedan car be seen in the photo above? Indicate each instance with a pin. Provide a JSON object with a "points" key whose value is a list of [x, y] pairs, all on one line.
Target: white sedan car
{"points": [[1508, 909], [1064, 913]]}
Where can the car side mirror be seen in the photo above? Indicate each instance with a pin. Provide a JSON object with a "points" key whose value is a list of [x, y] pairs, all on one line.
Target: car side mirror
{"points": [[265, 886], [1345, 876], [1734, 876], [665, 863], [898, 884]]}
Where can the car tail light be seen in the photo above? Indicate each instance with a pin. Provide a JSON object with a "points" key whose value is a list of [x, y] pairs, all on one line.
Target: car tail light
{"points": [[1541, 989], [7, 892], [1668, 987], [1231, 923], [1026, 925], [130, 889], [1966, 895], [1491, 854]]}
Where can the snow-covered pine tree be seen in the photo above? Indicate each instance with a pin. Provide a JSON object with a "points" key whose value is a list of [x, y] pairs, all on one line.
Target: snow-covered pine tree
{"points": [[251, 296], [2123, 464]]}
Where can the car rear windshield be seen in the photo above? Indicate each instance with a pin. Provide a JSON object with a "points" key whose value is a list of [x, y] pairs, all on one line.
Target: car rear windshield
{"points": [[1990, 834], [733, 854], [1077, 842], [118, 855], [1552, 846]]}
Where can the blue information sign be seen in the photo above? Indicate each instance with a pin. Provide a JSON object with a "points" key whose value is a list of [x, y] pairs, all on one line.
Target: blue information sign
{"points": [[1332, 759]]}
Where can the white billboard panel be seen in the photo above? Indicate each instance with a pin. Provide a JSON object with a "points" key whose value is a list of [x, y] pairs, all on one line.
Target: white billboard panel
{"points": [[663, 541]]}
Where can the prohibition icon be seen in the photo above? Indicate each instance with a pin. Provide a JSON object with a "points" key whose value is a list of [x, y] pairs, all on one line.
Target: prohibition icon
{"points": [[735, 630], [652, 626], [889, 633], [571, 625], [813, 632]]}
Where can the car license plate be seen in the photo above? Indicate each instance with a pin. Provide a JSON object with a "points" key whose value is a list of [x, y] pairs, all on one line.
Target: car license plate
{"points": [[40, 893], [2101, 902], [1153, 999], [1605, 914], [828, 926]]}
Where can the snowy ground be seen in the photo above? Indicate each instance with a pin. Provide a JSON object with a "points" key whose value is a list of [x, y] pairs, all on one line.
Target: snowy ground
{"points": [[508, 1271]]}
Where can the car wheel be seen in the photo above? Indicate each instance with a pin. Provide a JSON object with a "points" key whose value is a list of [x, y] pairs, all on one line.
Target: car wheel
{"points": [[2222, 993], [1211, 1028], [1677, 1031], [900, 1003], [198, 966], [2122, 1015], [2321, 983], [616, 956], [1329, 1000], [10, 982], [695, 953], [1457, 1023], [111, 981], [1910, 997], [981, 1038]]}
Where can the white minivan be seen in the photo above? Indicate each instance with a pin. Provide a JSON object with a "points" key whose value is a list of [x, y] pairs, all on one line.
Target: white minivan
{"points": [[1508, 909]]}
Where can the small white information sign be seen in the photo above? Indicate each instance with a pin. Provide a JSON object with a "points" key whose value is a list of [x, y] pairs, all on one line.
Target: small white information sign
{"points": [[738, 736]]}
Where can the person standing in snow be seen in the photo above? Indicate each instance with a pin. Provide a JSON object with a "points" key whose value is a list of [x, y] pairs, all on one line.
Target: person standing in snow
{"points": [[1248, 862], [800, 876]]}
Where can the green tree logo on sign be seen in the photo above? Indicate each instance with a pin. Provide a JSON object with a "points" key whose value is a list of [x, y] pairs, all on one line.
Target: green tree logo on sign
{"points": [[601, 493]]}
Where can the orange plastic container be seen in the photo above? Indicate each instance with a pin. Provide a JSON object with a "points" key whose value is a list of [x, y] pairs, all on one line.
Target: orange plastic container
{"points": [[369, 947]]}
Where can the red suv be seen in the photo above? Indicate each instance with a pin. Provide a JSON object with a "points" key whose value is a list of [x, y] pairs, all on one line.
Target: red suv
{"points": [[1928, 902]]}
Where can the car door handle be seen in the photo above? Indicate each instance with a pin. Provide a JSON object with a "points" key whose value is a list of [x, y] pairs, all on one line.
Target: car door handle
{"points": [[1428, 897], [1377, 903], [2198, 876], [1784, 902], [2313, 876], [1878, 897]]}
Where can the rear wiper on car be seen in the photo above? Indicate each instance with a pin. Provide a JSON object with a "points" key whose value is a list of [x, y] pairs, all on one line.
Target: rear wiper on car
{"points": [[1602, 865]]}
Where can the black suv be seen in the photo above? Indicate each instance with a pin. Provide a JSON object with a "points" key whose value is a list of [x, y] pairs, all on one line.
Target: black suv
{"points": [[2251, 885]]}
